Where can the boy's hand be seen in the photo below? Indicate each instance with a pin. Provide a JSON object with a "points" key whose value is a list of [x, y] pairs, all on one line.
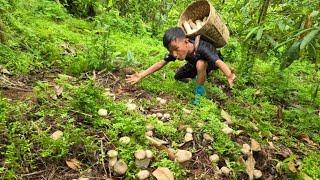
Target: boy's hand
{"points": [[133, 79], [231, 79]]}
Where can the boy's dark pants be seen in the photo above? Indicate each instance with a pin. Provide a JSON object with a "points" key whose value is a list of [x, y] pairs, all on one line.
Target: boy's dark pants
{"points": [[190, 71]]}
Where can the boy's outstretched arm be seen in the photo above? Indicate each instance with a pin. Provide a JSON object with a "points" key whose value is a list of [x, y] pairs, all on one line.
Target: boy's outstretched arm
{"points": [[226, 71], [133, 79]]}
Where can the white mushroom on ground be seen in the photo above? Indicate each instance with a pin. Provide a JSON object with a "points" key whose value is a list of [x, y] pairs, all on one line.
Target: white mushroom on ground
{"points": [[102, 112], [225, 170], [131, 106], [189, 130], [112, 154], [143, 174], [166, 116], [149, 154], [56, 135], [245, 149], [161, 101], [140, 154], [257, 174], [227, 130], [183, 155], [143, 158], [214, 158], [120, 167], [159, 115], [124, 140], [188, 137]]}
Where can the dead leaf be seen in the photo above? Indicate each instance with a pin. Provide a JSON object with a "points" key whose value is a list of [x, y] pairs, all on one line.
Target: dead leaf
{"points": [[284, 152], [74, 164], [163, 173], [306, 138], [156, 141], [255, 146], [250, 163], [226, 116]]}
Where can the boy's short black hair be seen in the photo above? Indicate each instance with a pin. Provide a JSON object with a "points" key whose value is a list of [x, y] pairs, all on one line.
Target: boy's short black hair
{"points": [[172, 34]]}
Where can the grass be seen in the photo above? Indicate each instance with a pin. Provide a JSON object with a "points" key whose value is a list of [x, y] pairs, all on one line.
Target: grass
{"points": [[48, 38]]}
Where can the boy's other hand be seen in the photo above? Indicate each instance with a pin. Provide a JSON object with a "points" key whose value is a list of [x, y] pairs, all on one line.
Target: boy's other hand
{"points": [[231, 79], [133, 79]]}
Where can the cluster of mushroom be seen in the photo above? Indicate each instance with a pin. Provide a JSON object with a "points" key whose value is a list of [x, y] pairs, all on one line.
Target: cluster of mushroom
{"points": [[118, 166], [188, 137], [192, 27], [214, 159], [143, 159], [247, 150]]}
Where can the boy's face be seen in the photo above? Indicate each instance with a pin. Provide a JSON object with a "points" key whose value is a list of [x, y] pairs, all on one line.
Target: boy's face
{"points": [[178, 48]]}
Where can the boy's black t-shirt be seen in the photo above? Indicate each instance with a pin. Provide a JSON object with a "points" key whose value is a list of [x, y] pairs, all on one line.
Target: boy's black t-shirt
{"points": [[205, 51]]}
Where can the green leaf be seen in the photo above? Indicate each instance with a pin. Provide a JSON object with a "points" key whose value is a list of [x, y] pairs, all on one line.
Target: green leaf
{"points": [[292, 54], [315, 92], [309, 37], [250, 33], [259, 34]]}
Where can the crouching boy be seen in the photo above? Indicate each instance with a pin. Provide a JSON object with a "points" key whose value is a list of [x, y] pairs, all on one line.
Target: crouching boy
{"points": [[201, 57]]}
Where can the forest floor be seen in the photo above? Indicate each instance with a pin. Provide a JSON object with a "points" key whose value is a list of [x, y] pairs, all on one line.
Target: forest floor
{"points": [[266, 157]]}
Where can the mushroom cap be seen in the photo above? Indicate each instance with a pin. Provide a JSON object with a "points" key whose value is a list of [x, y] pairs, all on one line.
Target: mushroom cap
{"points": [[245, 149], [189, 130], [102, 112], [214, 158], [183, 155], [120, 167], [257, 174], [188, 137], [143, 174], [124, 140], [140, 154], [227, 130], [166, 116], [149, 154], [159, 115], [112, 153], [225, 170]]}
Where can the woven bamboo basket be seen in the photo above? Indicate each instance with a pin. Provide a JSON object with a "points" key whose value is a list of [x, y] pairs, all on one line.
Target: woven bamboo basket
{"points": [[213, 30]]}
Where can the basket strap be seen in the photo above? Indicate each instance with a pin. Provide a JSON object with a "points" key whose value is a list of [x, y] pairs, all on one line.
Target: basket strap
{"points": [[196, 43]]}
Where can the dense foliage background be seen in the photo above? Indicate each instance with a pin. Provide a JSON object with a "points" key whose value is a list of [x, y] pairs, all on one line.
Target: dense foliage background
{"points": [[45, 44]]}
